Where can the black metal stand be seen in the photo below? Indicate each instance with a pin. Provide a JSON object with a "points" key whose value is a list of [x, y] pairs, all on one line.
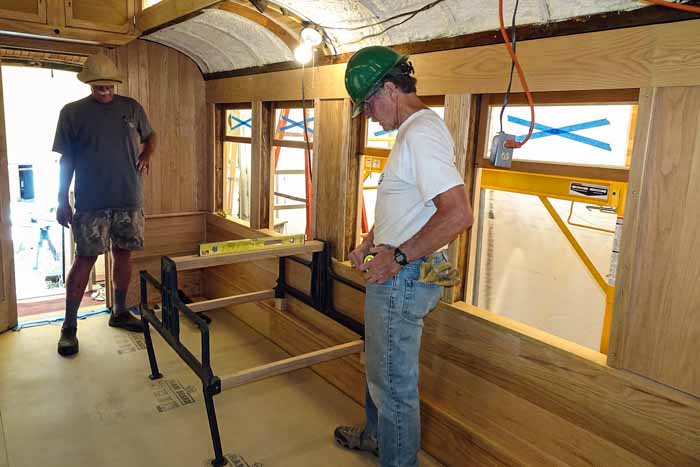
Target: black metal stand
{"points": [[173, 306]]}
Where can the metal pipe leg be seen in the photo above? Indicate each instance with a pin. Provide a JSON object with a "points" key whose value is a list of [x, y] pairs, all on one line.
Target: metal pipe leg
{"points": [[155, 374], [219, 459]]}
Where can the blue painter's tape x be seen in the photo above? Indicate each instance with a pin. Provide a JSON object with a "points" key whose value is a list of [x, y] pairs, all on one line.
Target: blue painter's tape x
{"points": [[239, 122], [565, 131], [384, 132], [293, 123]]}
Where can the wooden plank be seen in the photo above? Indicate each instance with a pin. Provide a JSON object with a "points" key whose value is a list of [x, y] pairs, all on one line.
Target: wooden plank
{"points": [[48, 45], [457, 118], [660, 334], [332, 169], [61, 32], [185, 263], [8, 299], [262, 169], [632, 224], [658, 55], [245, 11], [235, 228], [290, 364], [205, 305]]}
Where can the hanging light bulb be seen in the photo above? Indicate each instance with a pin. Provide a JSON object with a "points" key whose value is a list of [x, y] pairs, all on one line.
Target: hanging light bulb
{"points": [[303, 53], [311, 36]]}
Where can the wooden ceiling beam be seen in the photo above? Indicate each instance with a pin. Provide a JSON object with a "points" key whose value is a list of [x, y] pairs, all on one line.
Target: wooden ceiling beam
{"points": [[169, 12], [268, 23]]}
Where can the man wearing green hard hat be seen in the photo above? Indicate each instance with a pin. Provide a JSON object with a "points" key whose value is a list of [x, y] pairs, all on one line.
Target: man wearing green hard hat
{"points": [[421, 206]]}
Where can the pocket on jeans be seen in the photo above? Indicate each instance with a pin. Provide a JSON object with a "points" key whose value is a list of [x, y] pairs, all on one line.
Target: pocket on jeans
{"points": [[420, 299]]}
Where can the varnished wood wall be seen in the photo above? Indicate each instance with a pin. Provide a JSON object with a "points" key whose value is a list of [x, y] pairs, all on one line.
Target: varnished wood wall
{"points": [[171, 90], [656, 332]]}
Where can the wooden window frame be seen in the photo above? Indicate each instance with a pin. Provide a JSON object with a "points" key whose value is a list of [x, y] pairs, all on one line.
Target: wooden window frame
{"points": [[281, 143], [224, 138]]}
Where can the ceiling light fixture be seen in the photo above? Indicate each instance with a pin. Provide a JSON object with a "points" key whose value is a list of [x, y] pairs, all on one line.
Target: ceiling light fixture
{"points": [[311, 36]]}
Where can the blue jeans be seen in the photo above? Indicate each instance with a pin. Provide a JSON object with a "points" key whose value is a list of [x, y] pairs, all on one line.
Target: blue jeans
{"points": [[394, 313]]}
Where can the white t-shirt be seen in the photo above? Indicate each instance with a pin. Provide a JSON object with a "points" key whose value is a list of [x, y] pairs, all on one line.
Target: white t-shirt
{"points": [[420, 167]]}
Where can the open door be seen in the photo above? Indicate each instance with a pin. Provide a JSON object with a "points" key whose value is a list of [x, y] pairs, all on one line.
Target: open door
{"points": [[8, 301]]}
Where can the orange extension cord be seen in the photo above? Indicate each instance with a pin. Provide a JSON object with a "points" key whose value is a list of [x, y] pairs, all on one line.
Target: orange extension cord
{"points": [[516, 144], [512, 143], [677, 6]]}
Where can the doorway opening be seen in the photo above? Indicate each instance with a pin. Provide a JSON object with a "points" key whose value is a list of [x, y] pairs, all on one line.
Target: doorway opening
{"points": [[43, 249]]}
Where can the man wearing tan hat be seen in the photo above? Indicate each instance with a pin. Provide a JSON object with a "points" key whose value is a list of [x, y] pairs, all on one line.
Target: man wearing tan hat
{"points": [[99, 138]]}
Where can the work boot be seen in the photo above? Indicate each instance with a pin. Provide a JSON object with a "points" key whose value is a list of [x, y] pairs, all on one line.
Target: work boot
{"points": [[125, 320], [353, 437], [68, 343]]}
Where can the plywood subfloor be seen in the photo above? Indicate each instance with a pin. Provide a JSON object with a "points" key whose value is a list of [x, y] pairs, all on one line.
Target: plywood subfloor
{"points": [[100, 408]]}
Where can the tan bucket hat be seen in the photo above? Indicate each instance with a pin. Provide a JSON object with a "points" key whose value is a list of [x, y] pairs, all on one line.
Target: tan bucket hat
{"points": [[99, 70]]}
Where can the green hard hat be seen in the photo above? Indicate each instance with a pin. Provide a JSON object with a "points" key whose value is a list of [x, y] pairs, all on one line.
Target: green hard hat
{"points": [[365, 71]]}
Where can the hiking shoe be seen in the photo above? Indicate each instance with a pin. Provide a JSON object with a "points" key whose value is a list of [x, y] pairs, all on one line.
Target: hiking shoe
{"points": [[353, 437], [68, 343], [125, 320]]}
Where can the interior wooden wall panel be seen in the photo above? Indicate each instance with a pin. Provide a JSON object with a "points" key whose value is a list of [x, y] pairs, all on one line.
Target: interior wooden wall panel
{"points": [[8, 293], [332, 170], [167, 235], [658, 55], [658, 333], [171, 89], [458, 108], [656, 423], [262, 170]]}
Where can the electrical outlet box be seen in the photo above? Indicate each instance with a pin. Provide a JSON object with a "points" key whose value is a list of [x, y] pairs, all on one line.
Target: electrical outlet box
{"points": [[501, 156]]}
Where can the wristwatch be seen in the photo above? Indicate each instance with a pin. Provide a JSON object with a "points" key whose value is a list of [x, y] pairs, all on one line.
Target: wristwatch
{"points": [[400, 257]]}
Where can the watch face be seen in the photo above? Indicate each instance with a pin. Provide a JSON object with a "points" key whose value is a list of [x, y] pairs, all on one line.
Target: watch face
{"points": [[400, 257]]}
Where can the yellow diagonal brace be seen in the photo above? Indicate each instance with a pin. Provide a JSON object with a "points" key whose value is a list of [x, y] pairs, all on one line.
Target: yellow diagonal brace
{"points": [[577, 247]]}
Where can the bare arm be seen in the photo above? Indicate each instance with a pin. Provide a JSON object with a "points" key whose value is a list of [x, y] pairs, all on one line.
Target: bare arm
{"points": [[64, 213], [149, 147], [454, 215]]}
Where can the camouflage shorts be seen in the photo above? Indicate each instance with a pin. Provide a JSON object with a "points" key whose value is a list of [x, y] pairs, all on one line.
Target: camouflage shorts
{"points": [[93, 230]]}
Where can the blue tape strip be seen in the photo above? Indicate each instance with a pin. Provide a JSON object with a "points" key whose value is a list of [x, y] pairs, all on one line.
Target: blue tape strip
{"points": [[59, 319], [240, 122], [299, 124], [565, 131]]}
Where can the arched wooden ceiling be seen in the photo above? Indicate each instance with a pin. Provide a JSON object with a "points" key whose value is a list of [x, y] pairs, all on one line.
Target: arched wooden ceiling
{"points": [[234, 35]]}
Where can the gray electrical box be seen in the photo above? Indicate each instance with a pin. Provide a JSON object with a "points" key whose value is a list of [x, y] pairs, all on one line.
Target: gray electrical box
{"points": [[501, 156]]}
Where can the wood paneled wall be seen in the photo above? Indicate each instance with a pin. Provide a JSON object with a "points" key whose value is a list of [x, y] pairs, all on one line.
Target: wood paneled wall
{"points": [[168, 235], [170, 88], [656, 331]]}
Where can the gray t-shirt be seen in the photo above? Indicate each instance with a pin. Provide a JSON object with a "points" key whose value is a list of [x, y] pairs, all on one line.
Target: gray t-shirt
{"points": [[103, 141]]}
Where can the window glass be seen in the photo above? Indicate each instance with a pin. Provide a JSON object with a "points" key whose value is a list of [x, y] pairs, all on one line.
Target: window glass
{"points": [[591, 135]]}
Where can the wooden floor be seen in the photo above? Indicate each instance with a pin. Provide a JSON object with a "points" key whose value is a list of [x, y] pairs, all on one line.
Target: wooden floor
{"points": [[100, 409]]}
